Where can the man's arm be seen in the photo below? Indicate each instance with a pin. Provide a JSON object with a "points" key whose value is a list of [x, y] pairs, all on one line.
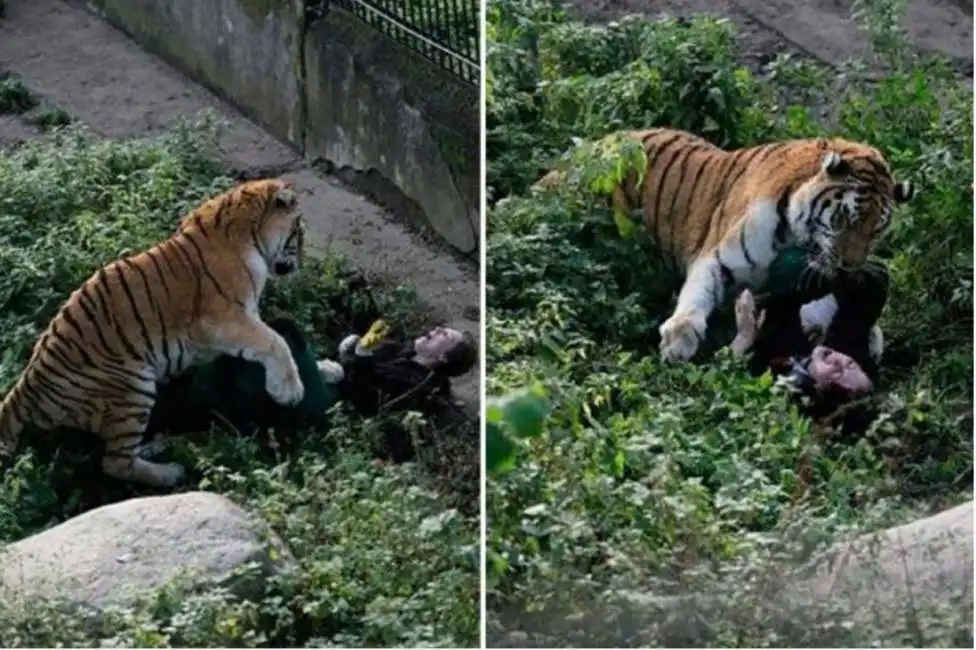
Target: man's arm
{"points": [[747, 323]]}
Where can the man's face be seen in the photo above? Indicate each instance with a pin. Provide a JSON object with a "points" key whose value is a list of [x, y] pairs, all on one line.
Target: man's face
{"points": [[831, 368], [432, 348]]}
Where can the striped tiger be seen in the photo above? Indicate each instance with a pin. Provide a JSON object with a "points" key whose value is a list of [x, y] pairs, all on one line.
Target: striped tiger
{"points": [[724, 215], [145, 318]]}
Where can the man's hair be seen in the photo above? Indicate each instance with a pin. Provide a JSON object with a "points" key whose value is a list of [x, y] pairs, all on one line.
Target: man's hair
{"points": [[460, 358]]}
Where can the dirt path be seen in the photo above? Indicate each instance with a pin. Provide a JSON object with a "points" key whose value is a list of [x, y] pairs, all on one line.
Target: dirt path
{"points": [[818, 28], [107, 81]]}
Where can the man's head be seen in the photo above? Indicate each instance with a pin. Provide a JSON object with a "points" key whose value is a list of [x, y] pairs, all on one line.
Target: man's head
{"points": [[449, 351], [827, 370]]}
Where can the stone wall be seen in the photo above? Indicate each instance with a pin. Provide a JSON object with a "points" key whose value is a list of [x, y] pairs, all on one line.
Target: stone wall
{"points": [[383, 117]]}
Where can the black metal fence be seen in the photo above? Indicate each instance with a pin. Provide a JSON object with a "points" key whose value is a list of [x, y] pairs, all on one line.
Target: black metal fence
{"points": [[443, 31]]}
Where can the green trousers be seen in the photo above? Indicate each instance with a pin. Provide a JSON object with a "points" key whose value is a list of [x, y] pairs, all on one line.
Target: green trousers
{"points": [[235, 388]]}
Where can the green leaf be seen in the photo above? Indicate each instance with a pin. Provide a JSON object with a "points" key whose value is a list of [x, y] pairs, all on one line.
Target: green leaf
{"points": [[619, 462], [494, 413], [526, 413], [625, 225], [500, 451]]}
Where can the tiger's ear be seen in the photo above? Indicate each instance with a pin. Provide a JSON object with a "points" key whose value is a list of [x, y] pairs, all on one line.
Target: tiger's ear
{"points": [[903, 192], [833, 165], [285, 197]]}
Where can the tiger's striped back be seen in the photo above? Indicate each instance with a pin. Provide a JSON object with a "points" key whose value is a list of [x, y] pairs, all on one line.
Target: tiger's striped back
{"points": [[694, 195]]}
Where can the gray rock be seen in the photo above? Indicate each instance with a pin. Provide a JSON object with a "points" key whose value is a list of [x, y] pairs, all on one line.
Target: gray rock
{"points": [[122, 552], [928, 559], [907, 585]]}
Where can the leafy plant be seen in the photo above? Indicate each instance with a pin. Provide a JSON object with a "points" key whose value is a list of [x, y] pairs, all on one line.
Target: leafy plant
{"points": [[50, 116], [15, 96]]}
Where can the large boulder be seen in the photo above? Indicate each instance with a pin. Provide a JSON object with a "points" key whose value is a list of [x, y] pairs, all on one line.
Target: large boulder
{"points": [[123, 552], [881, 577], [911, 585]]}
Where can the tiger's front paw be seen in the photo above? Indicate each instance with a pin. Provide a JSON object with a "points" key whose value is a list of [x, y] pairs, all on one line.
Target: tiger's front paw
{"points": [[286, 389], [680, 335]]}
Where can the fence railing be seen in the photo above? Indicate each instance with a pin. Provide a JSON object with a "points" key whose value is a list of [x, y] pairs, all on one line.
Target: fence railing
{"points": [[442, 31]]}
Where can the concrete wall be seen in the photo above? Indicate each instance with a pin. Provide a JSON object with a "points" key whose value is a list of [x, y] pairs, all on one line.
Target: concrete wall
{"points": [[383, 117]]}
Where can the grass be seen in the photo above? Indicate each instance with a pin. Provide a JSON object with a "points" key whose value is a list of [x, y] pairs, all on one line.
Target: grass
{"points": [[612, 474], [386, 554]]}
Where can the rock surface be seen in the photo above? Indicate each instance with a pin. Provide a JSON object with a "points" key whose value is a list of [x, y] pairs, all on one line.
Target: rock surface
{"points": [[931, 558], [118, 553], [819, 28], [907, 585]]}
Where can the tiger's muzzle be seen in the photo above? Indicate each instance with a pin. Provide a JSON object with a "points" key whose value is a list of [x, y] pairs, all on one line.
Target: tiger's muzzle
{"points": [[289, 258]]}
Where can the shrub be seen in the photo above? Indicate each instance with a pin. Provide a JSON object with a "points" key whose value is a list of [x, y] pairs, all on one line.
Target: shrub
{"points": [[386, 555], [616, 472], [15, 96], [49, 117]]}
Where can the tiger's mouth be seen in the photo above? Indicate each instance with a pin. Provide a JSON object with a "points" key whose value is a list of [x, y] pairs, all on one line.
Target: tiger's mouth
{"points": [[284, 267], [289, 259], [822, 259]]}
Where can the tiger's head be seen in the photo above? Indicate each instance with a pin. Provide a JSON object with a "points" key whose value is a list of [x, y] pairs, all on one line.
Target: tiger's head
{"points": [[278, 233], [848, 204], [261, 215]]}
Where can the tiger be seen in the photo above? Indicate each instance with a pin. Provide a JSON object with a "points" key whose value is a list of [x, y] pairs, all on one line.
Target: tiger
{"points": [[145, 318], [723, 215]]}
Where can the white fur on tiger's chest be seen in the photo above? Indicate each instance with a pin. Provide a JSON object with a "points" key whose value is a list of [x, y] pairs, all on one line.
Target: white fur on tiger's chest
{"points": [[749, 249], [258, 271]]}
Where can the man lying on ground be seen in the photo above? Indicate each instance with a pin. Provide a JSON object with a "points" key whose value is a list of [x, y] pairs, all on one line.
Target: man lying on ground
{"points": [[373, 374], [823, 338]]}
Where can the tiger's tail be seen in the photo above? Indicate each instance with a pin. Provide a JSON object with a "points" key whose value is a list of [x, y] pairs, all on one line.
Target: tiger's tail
{"points": [[11, 423]]}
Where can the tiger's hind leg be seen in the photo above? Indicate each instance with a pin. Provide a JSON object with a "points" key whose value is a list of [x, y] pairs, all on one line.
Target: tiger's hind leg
{"points": [[124, 460], [153, 448], [122, 428]]}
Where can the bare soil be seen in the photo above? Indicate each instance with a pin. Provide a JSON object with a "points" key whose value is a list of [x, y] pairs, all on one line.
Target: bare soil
{"points": [[822, 29], [105, 80]]}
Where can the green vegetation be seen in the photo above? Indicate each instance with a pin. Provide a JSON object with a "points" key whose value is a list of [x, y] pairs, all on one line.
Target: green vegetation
{"points": [[611, 473], [15, 96], [386, 554], [49, 116]]}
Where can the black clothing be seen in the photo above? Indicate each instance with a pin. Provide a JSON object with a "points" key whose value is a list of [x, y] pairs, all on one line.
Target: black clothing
{"points": [[861, 295], [389, 378], [782, 347]]}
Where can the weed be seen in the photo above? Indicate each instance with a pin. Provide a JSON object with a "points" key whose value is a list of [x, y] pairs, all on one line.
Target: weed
{"points": [[15, 96], [49, 116]]}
